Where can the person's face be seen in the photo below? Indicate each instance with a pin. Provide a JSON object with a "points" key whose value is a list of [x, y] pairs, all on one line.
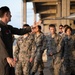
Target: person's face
{"points": [[68, 32], [60, 29], [52, 30], [8, 16], [36, 29], [33, 30]]}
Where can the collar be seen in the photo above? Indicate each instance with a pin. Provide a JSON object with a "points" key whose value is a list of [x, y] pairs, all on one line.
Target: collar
{"points": [[53, 36], [1, 22], [68, 37], [37, 35], [25, 37]]}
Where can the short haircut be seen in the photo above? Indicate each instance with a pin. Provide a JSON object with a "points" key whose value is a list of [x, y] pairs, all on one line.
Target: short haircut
{"points": [[68, 27], [52, 25], [61, 25], [65, 25], [26, 25], [3, 10]]}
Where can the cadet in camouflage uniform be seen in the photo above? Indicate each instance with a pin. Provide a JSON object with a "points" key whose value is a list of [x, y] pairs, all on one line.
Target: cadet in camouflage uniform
{"points": [[40, 41], [53, 51], [63, 35], [72, 58], [68, 50], [24, 51]]}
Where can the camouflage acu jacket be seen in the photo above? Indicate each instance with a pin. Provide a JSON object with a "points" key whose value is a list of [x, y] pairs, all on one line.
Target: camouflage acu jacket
{"points": [[25, 48], [40, 41], [53, 44], [68, 47]]}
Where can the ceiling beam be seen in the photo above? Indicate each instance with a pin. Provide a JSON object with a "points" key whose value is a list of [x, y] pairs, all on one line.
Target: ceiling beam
{"points": [[47, 3], [47, 11], [47, 17], [49, 21], [41, 0]]}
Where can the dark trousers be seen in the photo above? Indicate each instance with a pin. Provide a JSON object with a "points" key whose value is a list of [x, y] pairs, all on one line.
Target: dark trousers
{"points": [[11, 71]]}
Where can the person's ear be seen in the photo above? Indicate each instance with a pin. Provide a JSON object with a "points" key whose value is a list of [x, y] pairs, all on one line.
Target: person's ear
{"points": [[6, 14]]}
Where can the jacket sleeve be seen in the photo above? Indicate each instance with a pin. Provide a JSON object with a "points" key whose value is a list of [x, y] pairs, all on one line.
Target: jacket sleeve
{"points": [[16, 52], [59, 44], [33, 52], [19, 31], [3, 52], [48, 45], [44, 42], [62, 48]]}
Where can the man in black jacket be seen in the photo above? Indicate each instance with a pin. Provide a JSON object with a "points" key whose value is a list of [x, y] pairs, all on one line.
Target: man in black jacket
{"points": [[4, 59], [7, 31]]}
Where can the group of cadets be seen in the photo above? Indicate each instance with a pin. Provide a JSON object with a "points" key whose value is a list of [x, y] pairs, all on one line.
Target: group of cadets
{"points": [[60, 51], [28, 52], [27, 58]]}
